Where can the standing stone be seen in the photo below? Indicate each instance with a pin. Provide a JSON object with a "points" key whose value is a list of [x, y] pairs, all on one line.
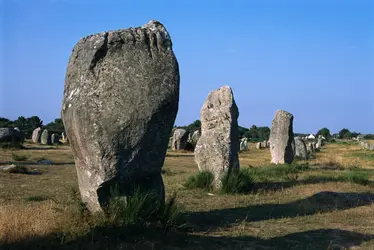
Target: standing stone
{"points": [[319, 143], [300, 149], [180, 139], [311, 147], [55, 138], [265, 144], [120, 102], [217, 149], [258, 145], [11, 135], [45, 138], [371, 147], [36, 134], [282, 138], [195, 137], [244, 144]]}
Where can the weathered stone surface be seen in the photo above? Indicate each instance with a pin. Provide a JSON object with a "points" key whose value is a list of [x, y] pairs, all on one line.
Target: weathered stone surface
{"points": [[120, 102], [311, 147], [371, 147], [300, 148], [282, 138], [11, 135], [55, 138], [180, 138], [258, 145], [217, 149], [244, 144], [45, 138], [36, 134]]}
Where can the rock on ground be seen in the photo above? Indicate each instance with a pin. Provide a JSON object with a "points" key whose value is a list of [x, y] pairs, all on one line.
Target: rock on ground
{"points": [[180, 138], [217, 149], [120, 102], [282, 138]]}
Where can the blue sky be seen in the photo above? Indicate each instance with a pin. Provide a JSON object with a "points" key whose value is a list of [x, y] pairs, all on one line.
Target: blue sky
{"points": [[312, 58]]}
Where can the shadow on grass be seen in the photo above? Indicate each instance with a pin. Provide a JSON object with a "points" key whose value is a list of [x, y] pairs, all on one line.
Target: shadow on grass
{"points": [[322, 202], [118, 238]]}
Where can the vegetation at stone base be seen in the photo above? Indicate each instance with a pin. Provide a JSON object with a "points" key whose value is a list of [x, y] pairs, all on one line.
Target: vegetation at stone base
{"points": [[203, 180], [11, 145], [237, 181], [18, 157], [140, 209], [19, 170]]}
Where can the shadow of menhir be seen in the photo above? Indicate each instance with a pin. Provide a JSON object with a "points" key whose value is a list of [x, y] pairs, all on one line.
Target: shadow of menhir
{"points": [[321, 202], [119, 238]]}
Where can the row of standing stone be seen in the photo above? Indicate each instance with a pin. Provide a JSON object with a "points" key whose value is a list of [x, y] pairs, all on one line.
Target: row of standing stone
{"points": [[46, 138], [366, 146]]}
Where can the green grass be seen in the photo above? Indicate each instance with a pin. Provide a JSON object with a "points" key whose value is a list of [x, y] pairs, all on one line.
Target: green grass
{"points": [[358, 177], [11, 145], [237, 181], [18, 157], [362, 155], [203, 180], [166, 171], [277, 172]]}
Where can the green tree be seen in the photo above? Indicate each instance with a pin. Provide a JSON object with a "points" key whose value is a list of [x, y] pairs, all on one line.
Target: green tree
{"points": [[345, 134], [325, 132], [57, 126]]}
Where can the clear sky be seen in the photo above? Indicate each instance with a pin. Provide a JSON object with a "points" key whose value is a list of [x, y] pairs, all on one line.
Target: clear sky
{"points": [[312, 58]]}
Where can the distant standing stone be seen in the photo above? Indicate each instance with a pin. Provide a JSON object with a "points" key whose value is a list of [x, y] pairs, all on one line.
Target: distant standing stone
{"points": [[319, 143], [244, 144], [265, 144], [55, 138], [258, 145], [36, 134], [300, 149], [11, 135], [218, 147], [120, 103], [180, 138], [195, 137], [282, 138], [45, 138], [311, 147]]}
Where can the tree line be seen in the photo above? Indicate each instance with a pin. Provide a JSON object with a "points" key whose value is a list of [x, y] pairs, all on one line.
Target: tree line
{"points": [[29, 124]]}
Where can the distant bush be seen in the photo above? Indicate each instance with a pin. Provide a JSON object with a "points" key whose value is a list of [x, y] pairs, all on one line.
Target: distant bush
{"points": [[36, 198], [19, 170], [237, 181], [17, 157], [202, 180]]}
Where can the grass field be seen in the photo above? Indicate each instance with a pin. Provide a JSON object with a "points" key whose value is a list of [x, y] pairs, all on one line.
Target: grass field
{"points": [[328, 205]]}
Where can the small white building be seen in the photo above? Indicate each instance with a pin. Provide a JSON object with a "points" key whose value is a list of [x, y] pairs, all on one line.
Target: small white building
{"points": [[311, 137]]}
